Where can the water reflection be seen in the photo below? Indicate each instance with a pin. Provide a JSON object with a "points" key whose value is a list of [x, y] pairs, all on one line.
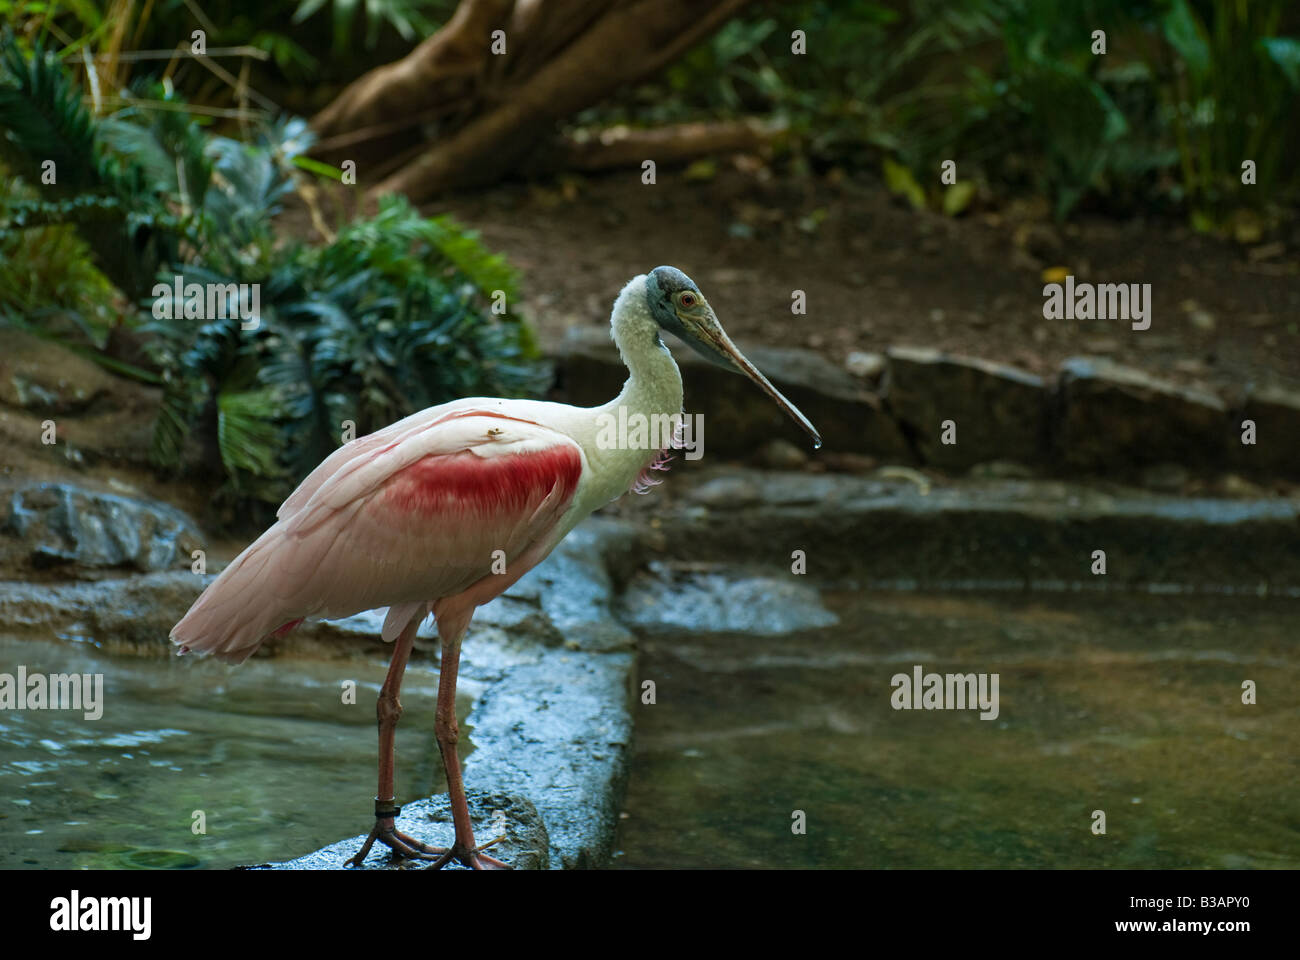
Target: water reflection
{"points": [[269, 752], [1129, 704]]}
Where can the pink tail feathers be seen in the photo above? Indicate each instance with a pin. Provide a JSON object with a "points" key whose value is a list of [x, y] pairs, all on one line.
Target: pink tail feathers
{"points": [[231, 618]]}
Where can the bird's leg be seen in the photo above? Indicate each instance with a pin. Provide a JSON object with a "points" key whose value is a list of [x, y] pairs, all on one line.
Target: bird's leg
{"points": [[388, 710], [448, 734]]}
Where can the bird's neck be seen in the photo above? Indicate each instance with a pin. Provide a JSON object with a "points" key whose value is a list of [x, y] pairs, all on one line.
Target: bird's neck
{"points": [[621, 437], [654, 384]]}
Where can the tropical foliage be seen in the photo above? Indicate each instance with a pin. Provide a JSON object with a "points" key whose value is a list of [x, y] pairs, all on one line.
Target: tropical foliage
{"points": [[394, 313], [1013, 91]]}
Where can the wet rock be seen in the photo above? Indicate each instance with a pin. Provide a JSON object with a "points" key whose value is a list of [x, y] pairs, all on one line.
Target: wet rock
{"points": [[1276, 413], [1000, 412], [522, 618], [517, 623], [551, 669], [548, 666], [731, 490], [133, 615], [526, 845], [1232, 485], [735, 488], [574, 589], [558, 731], [1012, 531], [668, 599], [1114, 418], [923, 482], [739, 417], [866, 366], [127, 615], [557, 728], [59, 524]]}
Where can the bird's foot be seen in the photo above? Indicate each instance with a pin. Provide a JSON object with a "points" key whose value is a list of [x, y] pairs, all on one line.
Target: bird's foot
{"points": [[473, 858], [406, 847]]}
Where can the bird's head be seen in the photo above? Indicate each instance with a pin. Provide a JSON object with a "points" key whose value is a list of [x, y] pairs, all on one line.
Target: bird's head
{"points": [[677, 306]]}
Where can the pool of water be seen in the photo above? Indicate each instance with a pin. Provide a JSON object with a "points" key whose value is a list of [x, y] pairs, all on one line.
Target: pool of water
{"points": [[269, 751], [1122, 703], [1125, 703]]}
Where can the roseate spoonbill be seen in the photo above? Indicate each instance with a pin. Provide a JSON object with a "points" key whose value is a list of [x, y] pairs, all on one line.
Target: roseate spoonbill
{"points": [[417, 515]]}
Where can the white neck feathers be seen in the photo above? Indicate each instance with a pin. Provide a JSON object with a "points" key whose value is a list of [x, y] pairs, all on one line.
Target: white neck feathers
{"points": [[655, 384]]}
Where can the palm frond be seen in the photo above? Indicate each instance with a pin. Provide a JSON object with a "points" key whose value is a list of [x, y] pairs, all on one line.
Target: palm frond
{"points": [[43, 119], [248, 435]]}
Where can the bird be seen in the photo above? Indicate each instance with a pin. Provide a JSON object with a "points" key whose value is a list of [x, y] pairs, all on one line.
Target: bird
{"points": [[445, 510]]}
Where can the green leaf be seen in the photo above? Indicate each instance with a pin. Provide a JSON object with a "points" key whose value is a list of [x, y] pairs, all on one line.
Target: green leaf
{"points": [[1186, 35], [247, 432], [1285, 52], [958, 197], [701, 171], [902, 183], [306, 9], [141, 143], [318, 168], [46, 120]]}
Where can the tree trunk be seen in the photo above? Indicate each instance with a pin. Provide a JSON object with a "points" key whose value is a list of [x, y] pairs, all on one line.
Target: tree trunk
{"points": [[454, 113]]}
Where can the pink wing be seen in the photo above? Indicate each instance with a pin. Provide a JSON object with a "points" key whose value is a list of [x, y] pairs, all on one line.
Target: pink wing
{"points": [[401, 518]]}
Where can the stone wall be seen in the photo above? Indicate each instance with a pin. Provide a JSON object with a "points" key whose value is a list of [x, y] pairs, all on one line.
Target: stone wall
{"points": [[924, 407]]}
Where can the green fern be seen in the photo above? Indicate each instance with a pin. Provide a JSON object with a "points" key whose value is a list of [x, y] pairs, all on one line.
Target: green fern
{"points": [[487, 271], [248, 434]]}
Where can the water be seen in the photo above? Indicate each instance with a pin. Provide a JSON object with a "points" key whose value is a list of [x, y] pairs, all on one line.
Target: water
{"points": [[1127, 704], [271, 754]]}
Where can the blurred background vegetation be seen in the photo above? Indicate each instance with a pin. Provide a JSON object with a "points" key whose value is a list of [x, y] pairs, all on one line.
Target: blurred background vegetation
{"points": [[171, 164], [1011, 89], [388, 315]]}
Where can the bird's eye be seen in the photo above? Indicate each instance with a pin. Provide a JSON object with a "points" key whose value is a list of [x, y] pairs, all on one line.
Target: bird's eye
{"points": [[688, 300]]}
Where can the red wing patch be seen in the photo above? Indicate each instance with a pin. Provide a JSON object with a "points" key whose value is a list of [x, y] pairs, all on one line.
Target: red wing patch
{"points": [[468, 484], [284, 628]]}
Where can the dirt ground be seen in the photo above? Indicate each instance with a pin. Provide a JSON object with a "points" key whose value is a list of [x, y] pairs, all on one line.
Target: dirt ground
{"points": [[878, 274]]}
